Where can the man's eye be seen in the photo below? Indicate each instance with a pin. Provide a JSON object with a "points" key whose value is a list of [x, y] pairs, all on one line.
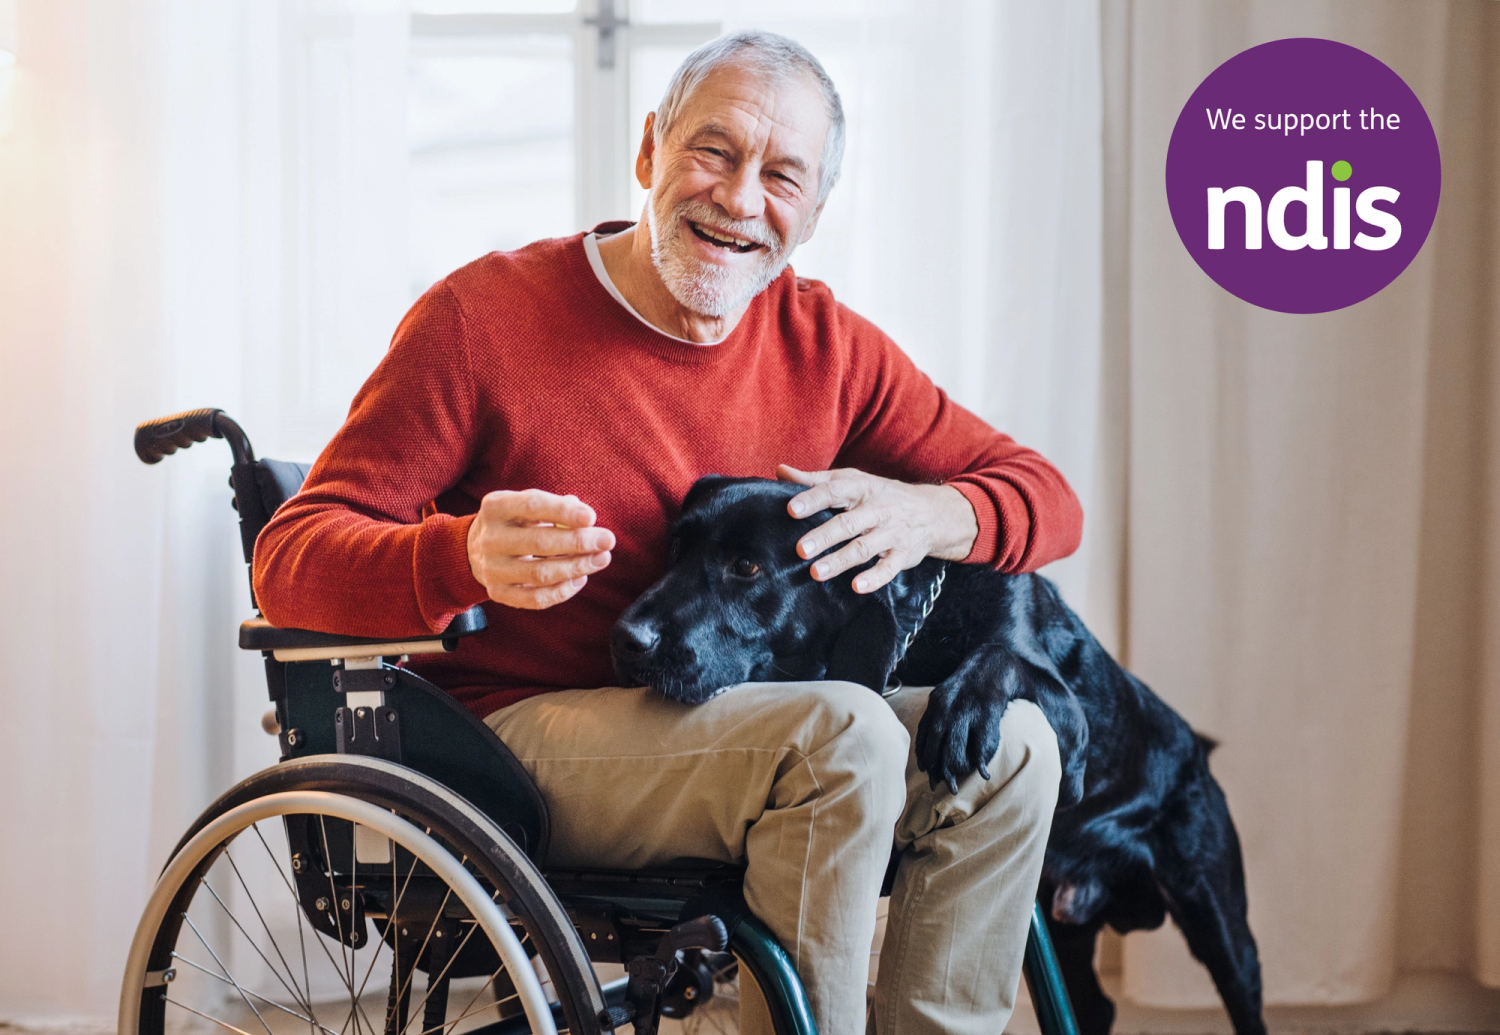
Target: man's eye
{"points": [[745, 568]]}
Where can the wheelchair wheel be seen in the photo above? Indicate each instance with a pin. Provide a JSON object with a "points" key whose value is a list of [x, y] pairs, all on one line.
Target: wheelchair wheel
{"points": [[347, 894]]}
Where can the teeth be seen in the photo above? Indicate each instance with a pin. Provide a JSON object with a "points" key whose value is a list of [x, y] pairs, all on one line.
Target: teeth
{"points": [[736, 241]]}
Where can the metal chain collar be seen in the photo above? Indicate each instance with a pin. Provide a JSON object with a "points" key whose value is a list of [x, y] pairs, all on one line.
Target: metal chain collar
{"points": [[893, 684]]}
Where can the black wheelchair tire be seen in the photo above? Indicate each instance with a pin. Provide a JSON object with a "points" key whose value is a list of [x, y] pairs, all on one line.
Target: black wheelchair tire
{"points": [[424, 803]]}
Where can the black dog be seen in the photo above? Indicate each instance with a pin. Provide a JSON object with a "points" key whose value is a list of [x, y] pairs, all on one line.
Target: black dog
{"points": [[1141, 829]]}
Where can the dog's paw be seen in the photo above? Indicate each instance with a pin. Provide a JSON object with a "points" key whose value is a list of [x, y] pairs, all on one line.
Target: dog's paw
{"points": [[959, 733]]}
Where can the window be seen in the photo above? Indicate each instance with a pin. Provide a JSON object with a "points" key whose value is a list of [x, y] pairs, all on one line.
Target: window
{"points": [[524, 119], [491, 131]]}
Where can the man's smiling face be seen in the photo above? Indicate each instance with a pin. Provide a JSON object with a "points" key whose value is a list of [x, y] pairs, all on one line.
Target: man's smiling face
{"points": [[734, 186]]}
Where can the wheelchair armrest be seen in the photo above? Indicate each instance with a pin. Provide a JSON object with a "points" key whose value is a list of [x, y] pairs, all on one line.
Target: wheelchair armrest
{"points": [[307, 645]]}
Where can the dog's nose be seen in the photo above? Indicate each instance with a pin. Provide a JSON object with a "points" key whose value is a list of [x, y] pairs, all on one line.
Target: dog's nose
{"points": [[634, 639]]}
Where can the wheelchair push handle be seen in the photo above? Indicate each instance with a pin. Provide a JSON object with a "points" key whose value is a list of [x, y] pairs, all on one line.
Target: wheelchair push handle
{"points": [[166, 435]]}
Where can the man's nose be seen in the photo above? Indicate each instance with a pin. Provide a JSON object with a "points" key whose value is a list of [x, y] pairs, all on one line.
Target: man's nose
{"points": [[741, 195], [634, 639]]}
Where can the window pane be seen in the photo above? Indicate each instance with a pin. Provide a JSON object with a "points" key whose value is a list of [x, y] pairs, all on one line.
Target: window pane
{"points": [[492, 162], [677, 10], [747, 13], [494, 6], [651, 67]]}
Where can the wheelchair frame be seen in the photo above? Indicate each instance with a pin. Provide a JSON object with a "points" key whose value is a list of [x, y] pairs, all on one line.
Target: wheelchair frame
{"points": [[339, 697]]}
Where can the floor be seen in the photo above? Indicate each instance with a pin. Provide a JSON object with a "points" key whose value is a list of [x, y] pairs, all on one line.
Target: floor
{"points": [[1427, 1003]]}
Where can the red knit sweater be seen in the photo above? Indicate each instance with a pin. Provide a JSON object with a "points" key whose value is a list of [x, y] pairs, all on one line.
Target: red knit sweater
{"points": [[520, 371]]}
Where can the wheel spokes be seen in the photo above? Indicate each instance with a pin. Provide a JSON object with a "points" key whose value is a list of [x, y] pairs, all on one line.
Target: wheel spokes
{"points": [[470, 1009], [436, 916], [237, 987], [241, 978], [346, 952], [276, 947], [392, 920], [298, 911], [269, 1002], [235, 920], [206, 1017], [297, 1001], [434, 979]]}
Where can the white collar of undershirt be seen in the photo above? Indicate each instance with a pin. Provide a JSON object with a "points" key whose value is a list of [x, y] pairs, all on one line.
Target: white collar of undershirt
{"points": [[596, 263]]}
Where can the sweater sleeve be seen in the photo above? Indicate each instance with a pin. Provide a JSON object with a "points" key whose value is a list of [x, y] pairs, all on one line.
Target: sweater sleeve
{"points": [[907, 428], [352, 552]]}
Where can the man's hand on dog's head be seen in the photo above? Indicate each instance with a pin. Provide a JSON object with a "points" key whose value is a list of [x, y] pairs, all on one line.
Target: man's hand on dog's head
{"points": [[535, 549], [899, 523]]}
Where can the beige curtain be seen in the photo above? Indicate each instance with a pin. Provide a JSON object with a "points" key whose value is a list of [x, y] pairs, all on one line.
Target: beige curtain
{"points": [[1309, 528]]}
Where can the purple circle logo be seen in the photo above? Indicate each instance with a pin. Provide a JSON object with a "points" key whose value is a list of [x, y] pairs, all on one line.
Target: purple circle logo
{"points": [[1303, 175]]}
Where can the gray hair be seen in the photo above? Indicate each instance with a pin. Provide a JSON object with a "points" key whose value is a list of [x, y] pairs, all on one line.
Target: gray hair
{"points": [[778, 60]]}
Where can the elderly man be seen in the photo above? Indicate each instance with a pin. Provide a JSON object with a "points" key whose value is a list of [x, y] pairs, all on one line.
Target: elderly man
{"points": [[526, 442]]}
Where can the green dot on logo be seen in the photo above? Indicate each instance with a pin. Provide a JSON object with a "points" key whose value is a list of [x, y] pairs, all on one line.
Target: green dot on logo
{"points": [[1342, 170]]}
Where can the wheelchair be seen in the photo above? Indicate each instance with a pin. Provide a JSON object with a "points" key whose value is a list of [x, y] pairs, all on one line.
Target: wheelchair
{"points": [[397, 837]]}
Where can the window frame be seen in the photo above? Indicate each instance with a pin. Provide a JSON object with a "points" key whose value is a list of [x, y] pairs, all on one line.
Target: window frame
{"points": [[604, 44]]}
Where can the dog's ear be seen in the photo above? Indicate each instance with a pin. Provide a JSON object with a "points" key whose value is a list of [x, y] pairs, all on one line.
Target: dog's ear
{"points": [[1056, 699], [703, 486], [865, 650]]}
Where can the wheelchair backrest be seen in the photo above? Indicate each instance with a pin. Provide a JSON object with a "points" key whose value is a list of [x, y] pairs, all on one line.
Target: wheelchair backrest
{"points": [[269, 484]]}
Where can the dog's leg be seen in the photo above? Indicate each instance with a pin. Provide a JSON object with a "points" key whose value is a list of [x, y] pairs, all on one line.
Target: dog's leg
{"points": [[1202, 877], [960, 730], [1074, 945]]}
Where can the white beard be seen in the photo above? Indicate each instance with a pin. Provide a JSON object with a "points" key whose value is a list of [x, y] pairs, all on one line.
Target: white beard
{"points": [[702, 287]]}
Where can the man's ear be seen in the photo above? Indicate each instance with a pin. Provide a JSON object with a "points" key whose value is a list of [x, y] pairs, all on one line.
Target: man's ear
{"points": [[645, 158], [865, 651]]}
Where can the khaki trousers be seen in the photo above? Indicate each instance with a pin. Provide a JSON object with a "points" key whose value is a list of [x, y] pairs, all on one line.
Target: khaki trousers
{"points": [[808, 783]]}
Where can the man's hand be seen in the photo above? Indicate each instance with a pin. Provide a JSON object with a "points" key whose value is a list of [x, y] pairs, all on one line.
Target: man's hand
{"points": [[534, 549], [897, 522]]}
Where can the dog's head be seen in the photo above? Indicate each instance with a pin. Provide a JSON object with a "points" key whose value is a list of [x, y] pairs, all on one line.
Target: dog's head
{"points": [[737, 603]]}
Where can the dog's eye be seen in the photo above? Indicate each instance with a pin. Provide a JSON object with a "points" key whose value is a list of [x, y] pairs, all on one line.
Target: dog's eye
{"points": [[674, 549], [745, 568]]}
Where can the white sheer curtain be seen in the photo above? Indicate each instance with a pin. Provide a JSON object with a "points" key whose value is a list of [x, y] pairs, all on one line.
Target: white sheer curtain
{"points": [[176, 177], [79, 324]]}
